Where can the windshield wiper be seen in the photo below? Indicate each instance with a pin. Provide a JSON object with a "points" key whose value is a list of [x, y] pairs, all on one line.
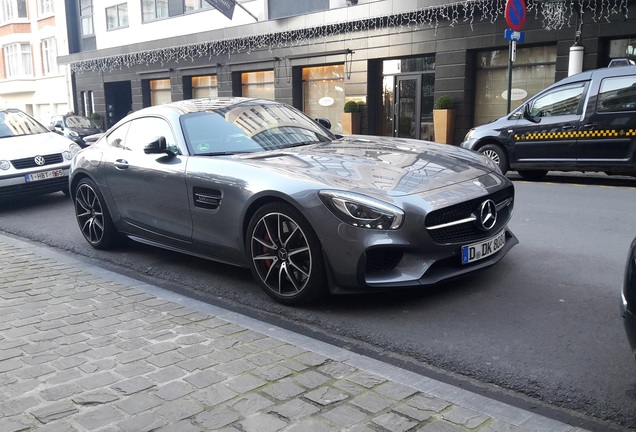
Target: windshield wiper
{"points": [[224, 153]]}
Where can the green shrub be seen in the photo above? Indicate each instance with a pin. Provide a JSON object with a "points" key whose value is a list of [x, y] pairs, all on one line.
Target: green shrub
{"points": [[96, 116], [351, 107], [444, 102]]}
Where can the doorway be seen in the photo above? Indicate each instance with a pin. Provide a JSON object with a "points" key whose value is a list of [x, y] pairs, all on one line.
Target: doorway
{"points": [[118, 101]]}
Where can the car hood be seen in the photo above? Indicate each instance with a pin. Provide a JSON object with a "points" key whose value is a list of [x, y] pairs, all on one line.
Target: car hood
{"points": [[23, 146], [376, 165]]}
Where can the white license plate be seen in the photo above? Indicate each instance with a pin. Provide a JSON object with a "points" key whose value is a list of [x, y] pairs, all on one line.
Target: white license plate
{"points": [[45, 175], [476, 251]]}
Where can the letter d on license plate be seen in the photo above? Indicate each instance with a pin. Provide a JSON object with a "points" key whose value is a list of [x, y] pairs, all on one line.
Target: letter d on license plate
{"points": [[477, 251]]}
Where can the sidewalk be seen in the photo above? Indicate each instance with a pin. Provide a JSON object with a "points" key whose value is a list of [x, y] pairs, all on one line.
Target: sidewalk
{"points": [[86, 349]]}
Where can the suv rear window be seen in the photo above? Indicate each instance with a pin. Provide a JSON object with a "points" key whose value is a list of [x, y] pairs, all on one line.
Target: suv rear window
{"points": [[617, 94]]}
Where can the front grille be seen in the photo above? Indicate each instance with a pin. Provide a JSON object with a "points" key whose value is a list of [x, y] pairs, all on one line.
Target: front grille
{"points": [[30, 161], [469, 231], [34, 188]]}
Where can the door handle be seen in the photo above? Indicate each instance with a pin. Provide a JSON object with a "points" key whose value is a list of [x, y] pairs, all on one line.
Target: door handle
{"points": [[121, 164], [590, 126], [567, 127]]}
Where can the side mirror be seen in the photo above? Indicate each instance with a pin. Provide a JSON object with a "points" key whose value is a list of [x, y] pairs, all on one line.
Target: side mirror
{"points": [[528, 116], [158, 146], [324, 122]]}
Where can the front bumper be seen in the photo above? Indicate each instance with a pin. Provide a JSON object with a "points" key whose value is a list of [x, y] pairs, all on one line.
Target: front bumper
{"points": [[17, 186]]}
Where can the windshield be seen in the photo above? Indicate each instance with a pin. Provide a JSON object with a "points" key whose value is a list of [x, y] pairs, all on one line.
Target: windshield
{"points": [[79, 122], [250, 127], [16, 123]]}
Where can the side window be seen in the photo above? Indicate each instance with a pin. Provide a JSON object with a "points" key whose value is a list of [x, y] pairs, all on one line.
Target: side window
{"points": [[617, 94], [144, 130], [558, 102], [117, 137]]}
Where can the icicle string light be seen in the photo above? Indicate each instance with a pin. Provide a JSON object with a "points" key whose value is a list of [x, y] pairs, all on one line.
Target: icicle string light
{"points": [[552, 15]]}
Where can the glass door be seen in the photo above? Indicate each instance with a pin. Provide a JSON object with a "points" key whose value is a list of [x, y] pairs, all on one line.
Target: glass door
{"points": [[407, 106]]}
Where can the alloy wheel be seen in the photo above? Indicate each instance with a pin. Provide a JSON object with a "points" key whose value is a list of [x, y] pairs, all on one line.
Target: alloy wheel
{"points": [[89, 213], [281, 254]]}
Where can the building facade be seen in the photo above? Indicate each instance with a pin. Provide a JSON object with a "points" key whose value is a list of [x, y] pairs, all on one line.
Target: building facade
{"points": [[393, 57], [31, 38]]}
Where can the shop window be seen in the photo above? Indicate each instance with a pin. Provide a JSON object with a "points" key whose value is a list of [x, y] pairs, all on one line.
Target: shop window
{"points": [[533, 70], [160, 92], [258, 84], [117, 16], [204, 86], [323, 93], [623, 48], [153, 9]]}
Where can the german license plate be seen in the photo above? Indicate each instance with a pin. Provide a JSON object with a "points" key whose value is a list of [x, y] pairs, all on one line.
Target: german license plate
{"points": [[44, 175], [476, 251]]}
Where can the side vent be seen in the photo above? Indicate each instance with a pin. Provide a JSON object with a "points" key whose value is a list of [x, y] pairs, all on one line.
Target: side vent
{"points": [[208, 199]]}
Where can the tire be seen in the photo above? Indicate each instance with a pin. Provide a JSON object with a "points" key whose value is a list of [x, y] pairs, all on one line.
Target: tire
{"points": [[93, 217], [285, 255], [496, 154], [532, 175]]}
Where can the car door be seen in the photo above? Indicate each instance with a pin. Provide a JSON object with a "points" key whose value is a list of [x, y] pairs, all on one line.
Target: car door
{"points": [[545, 136], [607, 139], [149, 190]]}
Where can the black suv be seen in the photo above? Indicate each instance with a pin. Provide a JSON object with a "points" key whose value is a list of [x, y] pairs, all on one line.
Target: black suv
{"points": [[586, 122]]}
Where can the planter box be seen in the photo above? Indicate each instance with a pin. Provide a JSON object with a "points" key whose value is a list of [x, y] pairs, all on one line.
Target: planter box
{"points": [[350, 123], [444, 125]]}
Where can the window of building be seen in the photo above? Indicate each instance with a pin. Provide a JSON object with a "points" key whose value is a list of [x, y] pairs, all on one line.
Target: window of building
{"points": [[204, 86], [88, 104], [45, 7], [533, 70], [258, 84], [117, 16], [86, 17], [623, 48], [193, 5], [323, 93], [160, 92], [153, 9], [18, 60], [49, 56], [11, 10]]}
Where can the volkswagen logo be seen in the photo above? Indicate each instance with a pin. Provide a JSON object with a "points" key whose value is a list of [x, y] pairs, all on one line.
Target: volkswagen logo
{"points": [[487, 215], [39, 160]]}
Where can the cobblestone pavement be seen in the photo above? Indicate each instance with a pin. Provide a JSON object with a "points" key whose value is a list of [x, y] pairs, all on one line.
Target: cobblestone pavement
{"points": [[85, 349]]}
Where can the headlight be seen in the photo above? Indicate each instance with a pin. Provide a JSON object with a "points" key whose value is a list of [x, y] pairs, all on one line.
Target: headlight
{"points": [[469, 135], [5, 164], [362, 211], [73, 149]]}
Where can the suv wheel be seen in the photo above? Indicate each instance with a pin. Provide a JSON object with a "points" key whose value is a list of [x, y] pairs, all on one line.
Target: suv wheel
{"points": [[497, 154]]}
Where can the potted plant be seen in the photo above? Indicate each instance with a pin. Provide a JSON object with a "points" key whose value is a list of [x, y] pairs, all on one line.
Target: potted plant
{"points": [[97, 118], [351, 118], [444, 120]]}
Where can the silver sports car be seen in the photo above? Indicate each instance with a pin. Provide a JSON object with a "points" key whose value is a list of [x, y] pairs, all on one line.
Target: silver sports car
{"points": [[259, 184]]}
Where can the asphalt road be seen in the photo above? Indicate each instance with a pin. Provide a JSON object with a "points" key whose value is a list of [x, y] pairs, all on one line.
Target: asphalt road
{"points": [[540, 330]]}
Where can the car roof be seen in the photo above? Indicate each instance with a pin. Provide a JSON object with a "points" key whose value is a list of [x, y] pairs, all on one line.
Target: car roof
{"points": [[601, 73]]}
